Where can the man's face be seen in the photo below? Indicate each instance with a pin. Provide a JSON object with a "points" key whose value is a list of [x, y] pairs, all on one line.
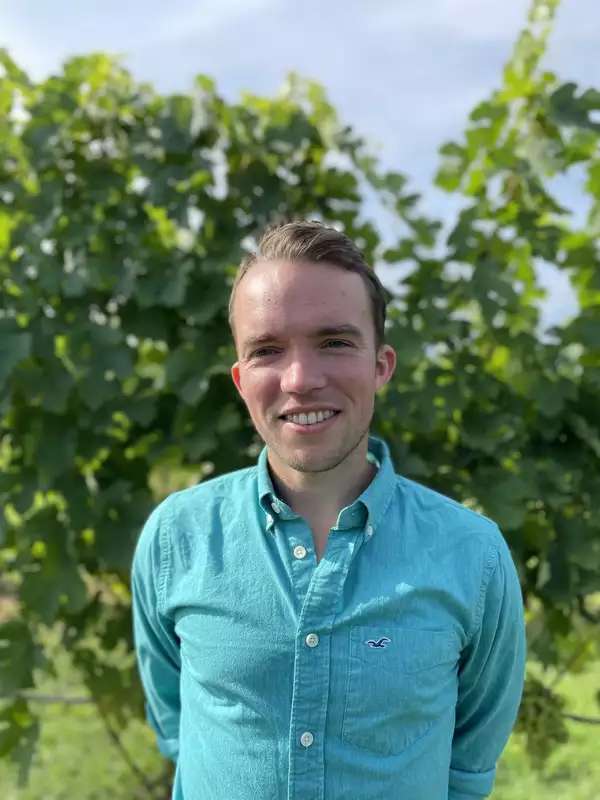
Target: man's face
{"points": [[308, 367]]}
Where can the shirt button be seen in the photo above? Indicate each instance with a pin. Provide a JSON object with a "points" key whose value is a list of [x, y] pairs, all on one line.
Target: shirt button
{"points": [[307, 739], [275, 506], [299, 551], [312, 640], [369, 530]]}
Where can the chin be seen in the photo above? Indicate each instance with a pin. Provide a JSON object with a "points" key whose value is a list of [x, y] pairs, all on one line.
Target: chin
{"points": [[310, 462]]}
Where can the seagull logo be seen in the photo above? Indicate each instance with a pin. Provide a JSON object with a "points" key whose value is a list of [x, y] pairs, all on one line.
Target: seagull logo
{"points": [[383, 642]]}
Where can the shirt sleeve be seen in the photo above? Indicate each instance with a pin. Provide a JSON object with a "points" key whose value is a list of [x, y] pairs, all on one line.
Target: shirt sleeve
{"points": [[490, 679], [156, 644]]}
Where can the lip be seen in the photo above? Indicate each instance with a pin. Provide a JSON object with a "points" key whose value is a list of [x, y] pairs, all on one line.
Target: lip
{"points": [[306, 430]]}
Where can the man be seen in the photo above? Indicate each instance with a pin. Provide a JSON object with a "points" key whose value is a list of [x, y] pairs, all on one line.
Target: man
{"points": [[317, 626]]}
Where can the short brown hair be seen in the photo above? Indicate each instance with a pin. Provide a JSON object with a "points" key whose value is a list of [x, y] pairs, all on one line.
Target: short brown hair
{"points": [[308, 240]]}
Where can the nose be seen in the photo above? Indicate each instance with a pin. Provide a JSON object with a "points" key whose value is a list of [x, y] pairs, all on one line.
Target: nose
{"points": [[302, 374]]}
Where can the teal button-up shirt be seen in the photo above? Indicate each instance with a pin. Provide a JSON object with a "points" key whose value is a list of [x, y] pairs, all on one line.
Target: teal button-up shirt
{"points": [[391, 669]]}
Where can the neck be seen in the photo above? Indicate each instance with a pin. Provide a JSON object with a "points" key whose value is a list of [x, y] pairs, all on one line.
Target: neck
{"points": [[321, 495]]}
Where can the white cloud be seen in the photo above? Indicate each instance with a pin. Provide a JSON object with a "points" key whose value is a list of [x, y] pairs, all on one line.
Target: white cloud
{"points": [[191, 20], [478, 20], [41, 35]]}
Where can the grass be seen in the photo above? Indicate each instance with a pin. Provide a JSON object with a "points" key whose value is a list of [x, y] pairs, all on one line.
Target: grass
{"points": [[77, 760], [573, 770]]}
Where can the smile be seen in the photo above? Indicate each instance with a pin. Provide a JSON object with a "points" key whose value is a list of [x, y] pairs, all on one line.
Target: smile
{"points": [[312, 418]]}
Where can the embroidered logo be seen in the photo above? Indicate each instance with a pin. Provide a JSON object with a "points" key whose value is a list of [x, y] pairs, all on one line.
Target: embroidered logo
{"points": [[383, 642]]}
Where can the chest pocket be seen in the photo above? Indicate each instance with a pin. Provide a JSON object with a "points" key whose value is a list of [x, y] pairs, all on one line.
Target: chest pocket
{"points": [[400, 682]]}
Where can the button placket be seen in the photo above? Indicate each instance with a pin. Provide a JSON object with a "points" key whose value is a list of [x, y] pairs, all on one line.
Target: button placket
{"points": [[295, 550], [312, 670]]}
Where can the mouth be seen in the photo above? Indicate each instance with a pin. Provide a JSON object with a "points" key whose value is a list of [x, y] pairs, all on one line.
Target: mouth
{"points": [[309, 421]]}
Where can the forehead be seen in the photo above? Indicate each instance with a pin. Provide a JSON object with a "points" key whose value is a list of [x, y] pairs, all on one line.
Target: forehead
{"points": [[298, 295]]}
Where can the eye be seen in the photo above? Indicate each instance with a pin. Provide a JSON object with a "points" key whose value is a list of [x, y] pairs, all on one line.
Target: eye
{"points": [[263, 352], [335, 344]]}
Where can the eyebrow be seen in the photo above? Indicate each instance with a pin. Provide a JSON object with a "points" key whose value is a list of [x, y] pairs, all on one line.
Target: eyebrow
{"points": [[340, 330], [328, 330]]}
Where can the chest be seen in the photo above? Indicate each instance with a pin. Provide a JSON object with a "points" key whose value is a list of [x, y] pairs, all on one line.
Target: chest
{"points": [[378, 660], [247, 620]]}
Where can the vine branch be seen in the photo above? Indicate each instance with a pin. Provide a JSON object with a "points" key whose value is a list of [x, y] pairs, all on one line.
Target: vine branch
{"points": [[33, 697], [580, 718], [116, 740]]}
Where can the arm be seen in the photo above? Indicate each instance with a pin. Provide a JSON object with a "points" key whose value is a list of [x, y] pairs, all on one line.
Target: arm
{"points": [[156, 644], [490, 680]]}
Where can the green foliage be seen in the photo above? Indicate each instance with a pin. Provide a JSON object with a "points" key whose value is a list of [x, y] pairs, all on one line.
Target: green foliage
{"points": [[572, 770], [124, 216], [540, 717]]}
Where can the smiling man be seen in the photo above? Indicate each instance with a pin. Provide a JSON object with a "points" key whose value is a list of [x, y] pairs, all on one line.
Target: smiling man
{"points": [[317, 626], [310, 362]]}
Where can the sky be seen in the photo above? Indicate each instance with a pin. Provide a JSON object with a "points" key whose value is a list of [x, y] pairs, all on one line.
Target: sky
{"points": [[404, 73]]}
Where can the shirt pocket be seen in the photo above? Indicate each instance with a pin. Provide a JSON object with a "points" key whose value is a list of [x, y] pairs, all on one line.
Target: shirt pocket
{"points": [[400, 682]]}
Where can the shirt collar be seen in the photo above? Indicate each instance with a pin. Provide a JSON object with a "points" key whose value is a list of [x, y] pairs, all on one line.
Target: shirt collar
{"points": [[365, 512]]}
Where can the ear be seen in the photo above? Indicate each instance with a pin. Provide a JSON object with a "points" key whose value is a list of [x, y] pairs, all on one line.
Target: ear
{"points": [[385, 365], [235, 377]]}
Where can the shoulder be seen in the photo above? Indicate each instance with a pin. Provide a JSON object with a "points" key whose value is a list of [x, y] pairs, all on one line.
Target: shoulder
{"points": [[191, 509], [453, 521], [229, 488], [465, 545]]}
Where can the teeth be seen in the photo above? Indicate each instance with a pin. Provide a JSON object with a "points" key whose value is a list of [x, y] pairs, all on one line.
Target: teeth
{"points": [[311, 418]]}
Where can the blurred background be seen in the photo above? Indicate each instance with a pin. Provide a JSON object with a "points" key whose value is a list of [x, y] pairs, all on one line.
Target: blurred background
{"points": [[405, 75], [142, 149]]}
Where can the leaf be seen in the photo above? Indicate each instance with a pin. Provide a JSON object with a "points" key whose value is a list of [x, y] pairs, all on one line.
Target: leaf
{"points": [[123, 514], [585, 329], [14, 347], [55, 449], [47, 383], [19, 731], [582, 542], [552, 396], [18, 655], [96, 392], [502, 497], [568, 109], [52, 581], [589, 434], [166, 286], [176, 125]]}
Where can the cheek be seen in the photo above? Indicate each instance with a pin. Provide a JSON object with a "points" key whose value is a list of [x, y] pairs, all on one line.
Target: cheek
{"points": [[260, 391], [357, 380]]}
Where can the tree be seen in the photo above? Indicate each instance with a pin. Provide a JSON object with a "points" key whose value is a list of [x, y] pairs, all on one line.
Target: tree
{"points": [[124, 216]]}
